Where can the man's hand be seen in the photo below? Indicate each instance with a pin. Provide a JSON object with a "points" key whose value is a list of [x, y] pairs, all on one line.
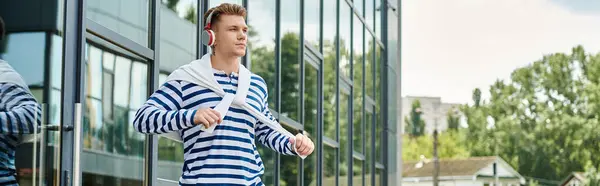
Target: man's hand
{"points": [[207, 117], [304, 146]]}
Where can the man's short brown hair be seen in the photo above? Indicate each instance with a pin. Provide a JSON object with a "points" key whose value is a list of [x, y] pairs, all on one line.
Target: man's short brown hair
{"points": [[224, 9]]}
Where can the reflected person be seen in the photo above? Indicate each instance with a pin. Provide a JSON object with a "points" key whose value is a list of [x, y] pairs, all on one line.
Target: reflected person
{"points": [[18, 112]]}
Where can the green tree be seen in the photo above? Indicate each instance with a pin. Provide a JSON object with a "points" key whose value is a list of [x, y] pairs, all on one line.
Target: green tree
{"points": [[451, 146], [414, 124], [453, 120], [544, 121]]}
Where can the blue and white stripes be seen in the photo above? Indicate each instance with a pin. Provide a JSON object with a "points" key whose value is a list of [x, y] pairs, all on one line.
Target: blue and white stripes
{"points": [[19, 114], [229, 154]]}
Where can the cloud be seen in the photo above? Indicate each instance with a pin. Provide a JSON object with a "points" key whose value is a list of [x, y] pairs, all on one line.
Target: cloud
{"points": [[450, 47]]}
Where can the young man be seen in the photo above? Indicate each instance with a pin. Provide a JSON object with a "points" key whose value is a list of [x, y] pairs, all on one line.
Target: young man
{"points": [[19, 113], [228, 155]]}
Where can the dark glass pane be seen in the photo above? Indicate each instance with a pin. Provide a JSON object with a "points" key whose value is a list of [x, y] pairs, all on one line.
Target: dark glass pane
{"points": [[268, 157], [357, 172], [344, 141], [329, 165], [357, 119], [310, 120], [290, 167], [129, 18], [261, 43], [290, 58], [312, 26], [329, 69], [345, 38]]}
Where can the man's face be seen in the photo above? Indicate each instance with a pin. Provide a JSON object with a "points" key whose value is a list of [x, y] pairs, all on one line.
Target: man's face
{"points": [[230, 34]]}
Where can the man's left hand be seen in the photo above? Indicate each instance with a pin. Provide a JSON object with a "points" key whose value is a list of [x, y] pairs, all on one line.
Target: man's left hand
{"points": [[304, 146]]}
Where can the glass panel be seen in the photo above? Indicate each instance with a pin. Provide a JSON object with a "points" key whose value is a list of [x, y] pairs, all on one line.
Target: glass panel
{"points": [[344, 141], [268, 157], [345, 38], [177, 47], [129, 18], [170, 159], [378, 9], [261, 43], [290, 167], [358, 6], [369, 73], [36, 60], [369, 147], [357, 172], [178, 34], [312, 26], [358, 132], [329, 166], [377, 76], [369, 4], [329, 70], [310, 120], [214, 3], [378, 177], [290, 56], [378, 136], [113, 153]]}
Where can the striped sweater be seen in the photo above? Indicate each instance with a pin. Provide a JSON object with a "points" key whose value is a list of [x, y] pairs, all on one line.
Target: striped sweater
{"points": [[229, 155], [18, 110]]}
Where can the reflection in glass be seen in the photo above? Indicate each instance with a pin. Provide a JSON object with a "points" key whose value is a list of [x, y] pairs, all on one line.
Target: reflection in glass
{"points": [[289, 166], [110, 101], [369, 147], [344, 131], [378, 136], [268, 157], [329, 70], [310, 120], [129, 18], [369, 75], [312, 26], [377, 76], [329, 165], [358, 6], [261, 43], [290, 60], [378, 9], [357, 132], [357, 172], [379, 177], [345, 38], [369, 4]]}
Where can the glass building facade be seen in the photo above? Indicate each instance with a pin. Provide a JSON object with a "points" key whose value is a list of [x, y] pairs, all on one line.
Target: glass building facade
{"points": [[331, 67]]}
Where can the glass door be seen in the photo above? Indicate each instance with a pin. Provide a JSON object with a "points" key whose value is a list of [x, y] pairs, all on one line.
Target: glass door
{"points": [[31, 88]]}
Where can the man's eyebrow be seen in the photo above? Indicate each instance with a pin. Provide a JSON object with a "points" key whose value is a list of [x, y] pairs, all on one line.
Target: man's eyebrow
{"points": [[236, 26]]}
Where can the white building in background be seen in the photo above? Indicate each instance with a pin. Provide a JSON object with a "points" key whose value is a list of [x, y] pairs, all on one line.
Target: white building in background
{"points": [[434, 110]]}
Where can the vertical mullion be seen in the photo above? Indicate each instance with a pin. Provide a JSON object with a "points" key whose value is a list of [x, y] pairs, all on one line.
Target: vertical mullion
{"points": [[337, 91], [151, 155], [277, 78], [245, 60], [74, 33], [384, 95], [302, 85]]}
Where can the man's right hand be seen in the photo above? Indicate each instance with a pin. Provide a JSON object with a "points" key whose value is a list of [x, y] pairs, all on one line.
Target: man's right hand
{"points": [[207, 117]]}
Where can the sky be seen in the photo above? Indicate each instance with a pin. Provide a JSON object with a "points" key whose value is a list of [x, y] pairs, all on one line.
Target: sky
{"points": [[451, 47]]}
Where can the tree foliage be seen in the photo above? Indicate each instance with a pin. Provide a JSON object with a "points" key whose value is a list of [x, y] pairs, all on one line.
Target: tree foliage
{"points": [[544, 121], [414, 124]]}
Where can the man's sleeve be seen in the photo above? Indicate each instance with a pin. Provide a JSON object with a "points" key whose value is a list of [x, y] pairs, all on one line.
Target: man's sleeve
{"points": [[21, 111], [163, 113], [271, 138]]}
